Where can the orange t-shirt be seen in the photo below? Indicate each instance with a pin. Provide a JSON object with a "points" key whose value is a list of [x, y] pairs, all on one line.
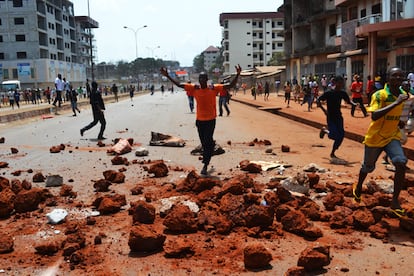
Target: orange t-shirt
{"points": [[206, 100]]}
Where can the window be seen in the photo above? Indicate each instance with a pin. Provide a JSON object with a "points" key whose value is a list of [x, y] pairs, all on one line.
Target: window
{"points": [[353, 13], [21, 55], [1, 55], [19, 21], [5, 74], [17, 3], [376, 9], [0, 21], [14, 73], [332, 30], [20, 38], [1, 38], [363, 13]]}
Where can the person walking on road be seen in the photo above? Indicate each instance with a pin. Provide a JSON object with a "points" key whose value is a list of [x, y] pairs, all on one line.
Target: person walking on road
{"points": [[60, 86], [131, 93], [98, 108], [357, 89], [74, 101], [383, 134], [114, 90], [266, 91], [190, 100], [10, 95], [206, 112], [223, 99], [288, 90], [335, 121]]}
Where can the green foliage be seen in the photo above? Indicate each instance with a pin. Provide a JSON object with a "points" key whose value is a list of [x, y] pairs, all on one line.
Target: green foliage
{"points": [[277, 59], [198, 63]]}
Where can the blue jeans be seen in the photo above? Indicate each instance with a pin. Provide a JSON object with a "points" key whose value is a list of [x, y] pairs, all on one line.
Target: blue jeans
{"points": [[223, 101], [393, 149], [191, 102]]}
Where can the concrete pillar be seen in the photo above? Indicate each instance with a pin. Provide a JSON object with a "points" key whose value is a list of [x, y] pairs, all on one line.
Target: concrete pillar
{"points": [[372, 54]]}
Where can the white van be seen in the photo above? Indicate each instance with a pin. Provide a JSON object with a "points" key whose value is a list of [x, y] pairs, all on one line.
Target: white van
{"points": [[10, 84]]}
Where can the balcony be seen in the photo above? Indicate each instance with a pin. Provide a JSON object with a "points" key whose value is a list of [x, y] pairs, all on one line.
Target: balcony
{"points": [[371, 19]]}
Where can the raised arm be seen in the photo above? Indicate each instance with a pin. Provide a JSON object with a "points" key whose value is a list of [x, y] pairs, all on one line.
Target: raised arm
{"points": [[164, 72], [379, 113], [234, 81]]}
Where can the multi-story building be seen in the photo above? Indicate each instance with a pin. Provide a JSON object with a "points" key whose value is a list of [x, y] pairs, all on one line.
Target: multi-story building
{"points": [[348, 37], [310, 35], [251, 38], [86, 48], [210, 55], [38, 40]]}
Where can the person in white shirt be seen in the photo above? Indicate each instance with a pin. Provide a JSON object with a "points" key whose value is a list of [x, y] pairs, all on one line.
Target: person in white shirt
{"points": [[59, 85], [410, 78]]}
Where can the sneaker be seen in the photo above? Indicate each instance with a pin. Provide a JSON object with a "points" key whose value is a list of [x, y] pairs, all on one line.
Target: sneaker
{"points": [[204, 170], [322, 132], [101, 138]]}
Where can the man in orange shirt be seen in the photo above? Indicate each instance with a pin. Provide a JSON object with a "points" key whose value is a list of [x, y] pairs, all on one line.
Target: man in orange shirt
{"points": [[206, 113]]}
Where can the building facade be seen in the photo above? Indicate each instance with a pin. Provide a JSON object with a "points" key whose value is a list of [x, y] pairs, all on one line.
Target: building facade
{"points": [[210, 55], [346, 37], [251, 38], [38, 40]]}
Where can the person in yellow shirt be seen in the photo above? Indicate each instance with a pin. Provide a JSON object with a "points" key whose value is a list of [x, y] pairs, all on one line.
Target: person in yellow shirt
{"points": [[206, 112], [383, 134]]}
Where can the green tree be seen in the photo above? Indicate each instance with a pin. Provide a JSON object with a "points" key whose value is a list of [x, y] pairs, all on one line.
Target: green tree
{"points": [[277, 59], [198, 63]]}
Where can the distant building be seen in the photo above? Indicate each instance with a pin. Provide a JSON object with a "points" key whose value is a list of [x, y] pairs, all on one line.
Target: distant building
{"points": [[39, 39], [251, 38], [348, 37], [210, 55]]}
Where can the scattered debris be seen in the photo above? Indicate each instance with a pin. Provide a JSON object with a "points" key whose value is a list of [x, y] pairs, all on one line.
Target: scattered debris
{"points": [[159, 139]]}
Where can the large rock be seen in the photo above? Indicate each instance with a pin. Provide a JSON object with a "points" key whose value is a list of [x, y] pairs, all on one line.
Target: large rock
{"points": [[181, 220], [256, 256], [54, 181], [110, 203], [258, 215], [114, 176], [178, 247], [142, 238], [314, 258], [159, 169], [6, 202], [142, 212], [6, 243], [28, 200]]}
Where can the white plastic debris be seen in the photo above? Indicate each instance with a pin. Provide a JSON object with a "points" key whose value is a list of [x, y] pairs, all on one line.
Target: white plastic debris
{"points": [[56, 216]]}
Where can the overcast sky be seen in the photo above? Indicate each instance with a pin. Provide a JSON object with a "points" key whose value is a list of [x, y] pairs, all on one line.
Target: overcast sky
{"points": [[182, 29]]}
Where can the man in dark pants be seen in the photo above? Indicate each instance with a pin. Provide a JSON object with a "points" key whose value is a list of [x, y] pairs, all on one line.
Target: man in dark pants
{"points": [[206, 113], [333, 98], [98, 108], [59, 85]]}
